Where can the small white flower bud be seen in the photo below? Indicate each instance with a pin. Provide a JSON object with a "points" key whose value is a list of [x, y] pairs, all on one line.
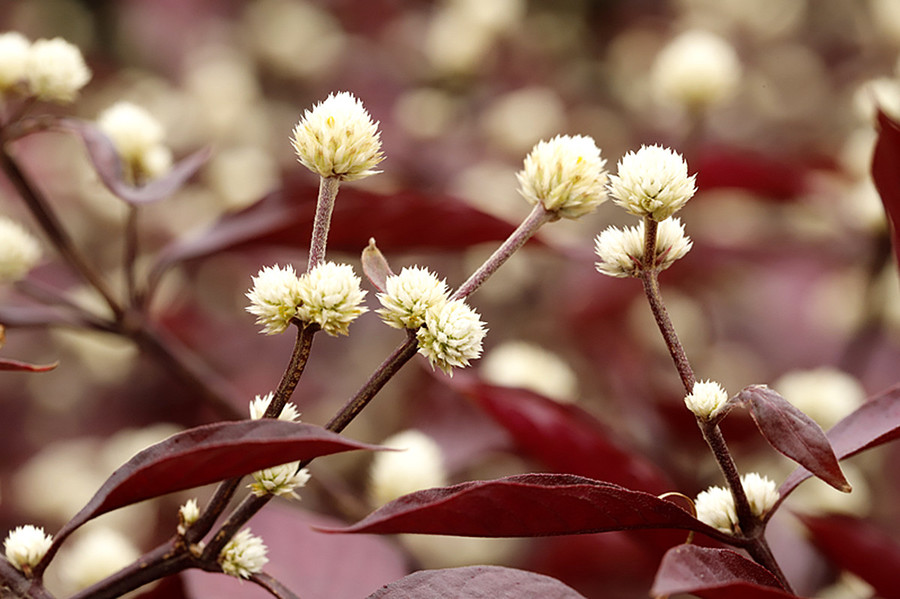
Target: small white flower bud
{"points": [[279, 480], [337, 138], [452, 335], [652, 182], [19, 251], [395, 473], [409, 295], [330, 295], [187, 515], [14, 49], [621, 251], [274, 298], [706, 400], [138, 138], [566, 175], [244, 555], [761, 492], [56, 71], [260, 404], [26, 546], [715, 507], [696, 69]]}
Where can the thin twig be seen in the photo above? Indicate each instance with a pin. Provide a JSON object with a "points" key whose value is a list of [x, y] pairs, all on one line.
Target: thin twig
{"points": [[328, 189]]}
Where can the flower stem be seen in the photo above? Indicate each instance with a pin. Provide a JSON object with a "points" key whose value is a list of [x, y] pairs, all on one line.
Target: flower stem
{"points": [[328, 190], [294, 370]]}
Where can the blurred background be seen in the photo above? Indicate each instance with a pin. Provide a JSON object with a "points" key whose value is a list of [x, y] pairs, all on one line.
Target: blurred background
{"points": [[791, 281]]}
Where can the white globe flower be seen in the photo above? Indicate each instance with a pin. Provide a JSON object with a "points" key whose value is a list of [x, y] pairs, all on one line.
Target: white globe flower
{"points": [[409, 295], [696, 69], [138, 138], [706, 400], [452, 335], [260, 404], [244, 555], [761, 492], [56, 70], [14, 50], [420, 465], [26, 546], [330, 296], [715, 507], [652, 182], [621, 251], [274, 298]]}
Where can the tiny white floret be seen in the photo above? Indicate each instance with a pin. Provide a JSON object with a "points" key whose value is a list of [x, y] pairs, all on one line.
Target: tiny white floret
{"points": [[706, 400], [274, 298], [715, 507], [409, 295], [138, 138], [26, 546], [652, 182], [56, 70], [19, 251], [331, 296], [14, 49], [452, 335], [188, 513], [281, 480], [244, 555], [260, 404], [621, 251], [762, 493]]}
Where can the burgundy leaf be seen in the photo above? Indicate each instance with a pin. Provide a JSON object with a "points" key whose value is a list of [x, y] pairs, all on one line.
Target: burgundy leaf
{"points": [[474, 582], [527, 505], [858, 547], [769, 176], [874, 423], [25, 367], [714, 574], [376, 266], [886, 173], [566, 438], [794, 434]]}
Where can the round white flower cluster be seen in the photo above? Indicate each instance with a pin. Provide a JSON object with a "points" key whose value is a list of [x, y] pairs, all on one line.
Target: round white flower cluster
{"points": [[696, 69], [652, 182], [188, 513], [621, 251], [260, 404], [409, 295], [49, 70], [138, 138], [395, 473], [26, 546], [19, 251], [274, 298], [338, 138], [706, 400], [279, 480], [244, 555], [715, 506]]}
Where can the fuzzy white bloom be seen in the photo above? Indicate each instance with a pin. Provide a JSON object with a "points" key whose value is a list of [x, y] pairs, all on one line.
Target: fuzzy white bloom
{"points": [[243, 555], [652, 182], [696, 69], [338, 138], [825, 394], [14, 50], [274, 298], [528, 366], [56, 70], [715, 506], [409, 295], [762, 493], [19, 251], [26, 546], [187, 515], [621, 251], [138, 138], [330, 295], [95, 554], [260, 404], [566, 175], [452, 335], [706, 400], [395, 473], [279, 480]]}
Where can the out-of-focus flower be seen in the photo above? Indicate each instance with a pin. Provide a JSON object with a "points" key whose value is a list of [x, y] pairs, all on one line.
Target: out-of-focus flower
{"points": [[882, 93], [706, 400], [528, 366], [279, 480], [621, 251], [330, 296], [274, 298], [56, 70], [652, 182], [452, 335], [409, 295], [566, 175], [260, 404], [761, 493], [395, 473], [697, 69], [187, 515], [19, 251], [94, 555], [824, 394], [244, 555], [26, 546], [14, 50], [338, 138], [715, 506], [138, 138]]}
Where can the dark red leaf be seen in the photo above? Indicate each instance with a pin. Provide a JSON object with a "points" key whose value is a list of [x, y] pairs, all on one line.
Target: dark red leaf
{"points": [[886, 173], [714, 574], [874, 423], [527, 505], [375, 265], [859, 547], [474, 582], [794, 434], [565, 437], [25, 367], [768, 176]]}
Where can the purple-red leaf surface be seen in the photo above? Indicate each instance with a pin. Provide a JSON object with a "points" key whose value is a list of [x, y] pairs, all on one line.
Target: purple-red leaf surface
{"points": [[475, 582], [527, 505], [886, 173], [714, 574], [858, 547], [565, 437], [874, 423], [17, 366], [794, 434]]}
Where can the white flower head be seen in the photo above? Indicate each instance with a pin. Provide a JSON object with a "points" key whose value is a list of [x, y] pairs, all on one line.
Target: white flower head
{"points": [[260, 404], [14, 50], [97, 553], [274, 298], [26, 546], [138, 138], [56, 70], [19, 251], [338, 138], [452, 335], [621, 251], [279, 480], [706, 400], [696, 69], [824, 394], [566, 175], [330, 296], [187, 515], [244, 555], [420, 465], [761, 492], [652, 182], [409, 295], [715, 507], [529, 366]]}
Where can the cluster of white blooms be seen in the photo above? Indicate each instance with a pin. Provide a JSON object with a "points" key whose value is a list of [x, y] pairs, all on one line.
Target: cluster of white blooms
{"points": [[652, 182], [706, 400], [452, 335], [55, 70], [138, 138], [330, 295], [338, 138], [19, 251], [260, 404], [26, 546], [409, 295], [279, 480], [761, 493], [715, 506], [187, 515], [274, 298], [14, 49], [696, 69], [244, 555], [621, 251], [566, 175], [419, 466]]}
